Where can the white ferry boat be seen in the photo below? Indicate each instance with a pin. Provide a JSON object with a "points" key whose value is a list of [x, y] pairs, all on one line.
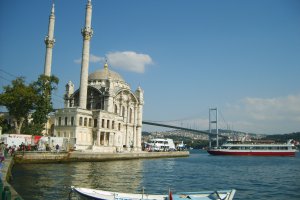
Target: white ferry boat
{"points": [[159, 144], [255, 148]]}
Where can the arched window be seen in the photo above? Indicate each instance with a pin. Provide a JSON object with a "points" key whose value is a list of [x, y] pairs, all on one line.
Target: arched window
{"points": [[123, 111], [72, 121], [80, 121], [130, 115], [102, 124], [113, 124], [59, 121], [116, 109], [98, 106], [95, 122], [107, 125], [90, 122], [66, 121], [85, 121]]}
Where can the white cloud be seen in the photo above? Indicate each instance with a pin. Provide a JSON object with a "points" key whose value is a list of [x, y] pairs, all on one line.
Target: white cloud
{"points": [[129, 60], [281, 108], [93, 59], [96, 59], [266, 115], [77, 61]]}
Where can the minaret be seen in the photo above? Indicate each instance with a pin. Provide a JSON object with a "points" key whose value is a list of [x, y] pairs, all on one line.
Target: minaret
{"points": [[87, 33], [49, 41]]}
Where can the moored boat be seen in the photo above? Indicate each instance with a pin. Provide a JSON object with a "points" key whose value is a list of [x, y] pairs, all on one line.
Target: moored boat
{"points": [[255, 148], [87, 194]]}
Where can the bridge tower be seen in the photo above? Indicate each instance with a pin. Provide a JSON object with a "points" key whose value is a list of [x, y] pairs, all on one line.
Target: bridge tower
{"points": [[213, 121]]}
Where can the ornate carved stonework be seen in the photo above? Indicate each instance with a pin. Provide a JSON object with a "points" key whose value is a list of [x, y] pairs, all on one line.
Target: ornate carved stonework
{"points": [[87, 33], [49, 43]]}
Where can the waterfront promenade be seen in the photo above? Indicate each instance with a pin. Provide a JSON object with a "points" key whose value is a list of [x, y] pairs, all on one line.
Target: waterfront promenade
{"points": [[89, 156]]}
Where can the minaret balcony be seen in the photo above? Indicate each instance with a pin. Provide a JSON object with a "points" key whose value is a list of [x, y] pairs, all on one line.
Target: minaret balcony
{"points": [[87, 33], [49, 43]]}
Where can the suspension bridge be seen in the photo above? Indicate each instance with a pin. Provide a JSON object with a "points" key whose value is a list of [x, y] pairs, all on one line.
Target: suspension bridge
{"points": [[175, 127], [213, 124]]}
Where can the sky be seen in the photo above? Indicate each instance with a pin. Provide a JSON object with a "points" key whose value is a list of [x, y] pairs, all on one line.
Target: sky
{"points": [[242, 57]]}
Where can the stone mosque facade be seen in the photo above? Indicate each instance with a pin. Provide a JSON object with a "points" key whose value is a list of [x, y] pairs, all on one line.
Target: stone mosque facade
{"points": [[104, 114]]}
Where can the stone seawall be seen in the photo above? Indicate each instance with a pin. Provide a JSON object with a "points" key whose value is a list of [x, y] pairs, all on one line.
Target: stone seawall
{"points": [[7, 165], [89, 156]]}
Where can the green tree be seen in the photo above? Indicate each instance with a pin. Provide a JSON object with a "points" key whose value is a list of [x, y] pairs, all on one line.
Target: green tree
{"points": [[43, 87], [6, 127], [32, 101], [19, 100]]}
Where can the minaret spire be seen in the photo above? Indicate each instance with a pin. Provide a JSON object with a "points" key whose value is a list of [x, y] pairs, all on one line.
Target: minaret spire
{"points": [[87, 33], [49, 41]]}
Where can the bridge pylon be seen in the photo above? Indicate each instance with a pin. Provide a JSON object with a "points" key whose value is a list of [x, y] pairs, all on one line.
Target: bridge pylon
{"points": [[213, 121]]}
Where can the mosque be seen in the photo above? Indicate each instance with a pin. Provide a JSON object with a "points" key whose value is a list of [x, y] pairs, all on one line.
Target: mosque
{"points": [[103, 115]]}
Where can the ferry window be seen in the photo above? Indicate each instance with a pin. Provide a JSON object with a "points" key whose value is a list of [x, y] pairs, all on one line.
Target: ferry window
{"points": [[66, 121], [95, 122], [72, 121], [85, 121], [59, 121], [80, 121]]}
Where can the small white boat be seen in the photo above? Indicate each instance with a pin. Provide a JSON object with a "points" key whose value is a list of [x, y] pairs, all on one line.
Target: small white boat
{"points": [[88, 194]]}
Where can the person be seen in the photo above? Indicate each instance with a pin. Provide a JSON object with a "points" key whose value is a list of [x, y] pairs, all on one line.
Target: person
{"points": [[12, 150], [1, 157], [2, 151], [57, 148], [3, 147]]}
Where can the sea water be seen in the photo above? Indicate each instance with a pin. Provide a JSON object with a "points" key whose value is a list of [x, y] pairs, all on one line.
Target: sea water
{"points": [[253, 177]]}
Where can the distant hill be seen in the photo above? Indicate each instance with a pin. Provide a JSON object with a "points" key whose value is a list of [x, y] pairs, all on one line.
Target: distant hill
{"points": [[144, 133], [284, 137], [200, 140]]}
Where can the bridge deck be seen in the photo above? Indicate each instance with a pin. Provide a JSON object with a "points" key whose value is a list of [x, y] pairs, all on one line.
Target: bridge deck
{"points": [[175, 127]]}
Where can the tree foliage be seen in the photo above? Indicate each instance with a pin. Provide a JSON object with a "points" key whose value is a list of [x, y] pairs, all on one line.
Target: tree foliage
{"points": [[43, 105], [21, 100], [6, 127], [18, 98]]}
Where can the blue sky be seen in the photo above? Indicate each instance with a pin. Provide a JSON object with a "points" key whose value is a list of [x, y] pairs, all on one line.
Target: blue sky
{"points": [[187, 55]]}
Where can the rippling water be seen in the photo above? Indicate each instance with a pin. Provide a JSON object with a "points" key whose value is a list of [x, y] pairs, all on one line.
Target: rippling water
{"points": [[253, 177]]}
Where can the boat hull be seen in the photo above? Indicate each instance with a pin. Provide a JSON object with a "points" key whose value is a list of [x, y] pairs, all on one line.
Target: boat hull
{"points": [[250, 153], [93, 194]]}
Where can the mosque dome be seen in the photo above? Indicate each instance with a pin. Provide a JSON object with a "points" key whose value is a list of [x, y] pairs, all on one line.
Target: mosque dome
{"points": [[103, 74]]}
